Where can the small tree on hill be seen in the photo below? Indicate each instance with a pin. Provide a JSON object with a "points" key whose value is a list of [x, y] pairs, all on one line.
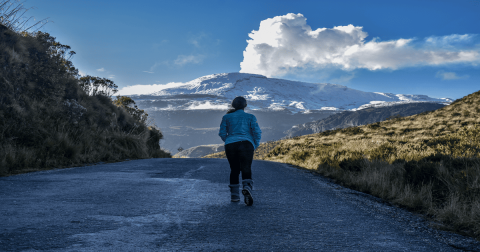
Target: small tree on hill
{"points": [[98, 86], [129, 105], [60, 52]]}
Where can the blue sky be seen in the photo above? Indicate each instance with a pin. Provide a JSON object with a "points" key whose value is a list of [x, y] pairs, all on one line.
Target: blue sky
{"points": [[409, 47]]}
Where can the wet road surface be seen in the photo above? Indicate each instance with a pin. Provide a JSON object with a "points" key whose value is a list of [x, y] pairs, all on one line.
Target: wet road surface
{"points": [[184, 205]]}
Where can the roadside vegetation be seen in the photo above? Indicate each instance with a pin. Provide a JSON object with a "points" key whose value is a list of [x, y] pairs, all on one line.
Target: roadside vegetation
{"points": [[50, 117], [428, 163], [259, 153]]}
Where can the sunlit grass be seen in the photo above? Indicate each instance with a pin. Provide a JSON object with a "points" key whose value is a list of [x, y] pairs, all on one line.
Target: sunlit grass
{"points": [[428, 163]]}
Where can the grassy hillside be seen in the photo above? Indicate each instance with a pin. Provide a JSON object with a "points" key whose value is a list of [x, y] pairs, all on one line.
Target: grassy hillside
{"points": [[452, 131], [428, 163], [365, 116], [48, 121]]}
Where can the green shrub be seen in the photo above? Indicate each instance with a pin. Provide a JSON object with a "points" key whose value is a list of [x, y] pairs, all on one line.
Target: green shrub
{"points": [[420, 173], [374, 125], [352, 131], [382, 152], [407, 130], [299, 155], [396, 117], [329, 132], [352, 165]]}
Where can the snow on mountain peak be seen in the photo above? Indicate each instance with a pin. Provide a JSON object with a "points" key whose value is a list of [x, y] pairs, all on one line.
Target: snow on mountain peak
{"points": [[216, 91]]}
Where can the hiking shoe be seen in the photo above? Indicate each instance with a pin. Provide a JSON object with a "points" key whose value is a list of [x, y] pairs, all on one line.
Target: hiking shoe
{"points": [[235, 196], [247, 193]]}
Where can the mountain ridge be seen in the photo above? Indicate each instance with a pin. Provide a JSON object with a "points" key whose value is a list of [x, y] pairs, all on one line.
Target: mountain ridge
{"points": [[190, 113], [265, 93]]}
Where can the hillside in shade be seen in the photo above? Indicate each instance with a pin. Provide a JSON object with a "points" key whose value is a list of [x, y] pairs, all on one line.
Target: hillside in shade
{"points": [[48, 121]]}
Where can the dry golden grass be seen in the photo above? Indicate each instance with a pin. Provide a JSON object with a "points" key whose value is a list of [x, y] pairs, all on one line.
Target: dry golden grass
{"points": [[428, 163], [452, 130]]}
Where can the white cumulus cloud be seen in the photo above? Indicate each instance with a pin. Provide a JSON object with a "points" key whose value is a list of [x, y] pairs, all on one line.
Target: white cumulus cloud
{"points": [[286, 43], [101, 69]]}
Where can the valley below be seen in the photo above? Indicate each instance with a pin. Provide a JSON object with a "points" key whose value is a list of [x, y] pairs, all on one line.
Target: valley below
{"points": [[190, 128]]}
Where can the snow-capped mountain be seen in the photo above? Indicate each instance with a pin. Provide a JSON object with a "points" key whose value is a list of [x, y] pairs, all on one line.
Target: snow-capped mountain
{"points": [[189, 114], [218, 90]]}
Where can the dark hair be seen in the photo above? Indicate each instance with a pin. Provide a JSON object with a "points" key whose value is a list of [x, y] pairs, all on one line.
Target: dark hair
{"points": [[238, 103]]}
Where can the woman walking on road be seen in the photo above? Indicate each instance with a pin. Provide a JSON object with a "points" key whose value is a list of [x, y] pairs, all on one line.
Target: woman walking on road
{"points": [[241, 134]]}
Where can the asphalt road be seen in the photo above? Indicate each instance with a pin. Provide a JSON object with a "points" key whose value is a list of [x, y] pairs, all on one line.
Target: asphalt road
{"points": [[184, 205]]}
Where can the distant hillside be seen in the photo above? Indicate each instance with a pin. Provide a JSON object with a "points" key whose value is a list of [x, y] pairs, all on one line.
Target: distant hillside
{"points": [[190, 128], [200, 151], [361, 117], [48, 121]]}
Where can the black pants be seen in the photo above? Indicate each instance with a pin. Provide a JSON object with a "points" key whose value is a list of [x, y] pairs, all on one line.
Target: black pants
{"points": [[240, 157]]}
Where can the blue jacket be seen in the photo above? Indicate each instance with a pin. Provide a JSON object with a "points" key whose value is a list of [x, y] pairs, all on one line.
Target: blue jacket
{"points": [[240, 126]]}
